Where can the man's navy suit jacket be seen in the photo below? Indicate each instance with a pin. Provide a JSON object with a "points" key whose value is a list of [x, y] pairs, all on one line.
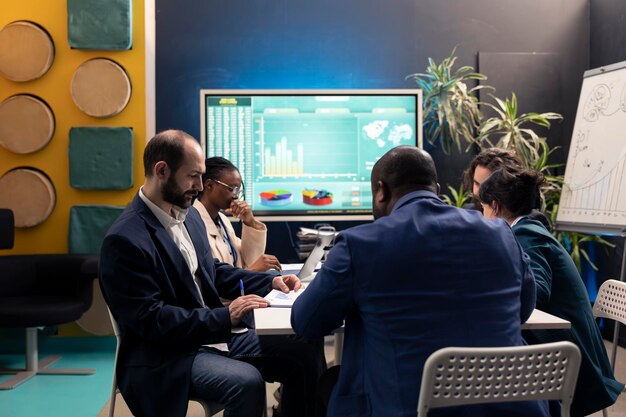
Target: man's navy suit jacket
{"points": [[151, 293], [425, 277]]}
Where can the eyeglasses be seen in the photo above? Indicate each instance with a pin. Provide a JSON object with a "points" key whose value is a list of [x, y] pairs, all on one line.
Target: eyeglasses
{"points": [[238, 191]]}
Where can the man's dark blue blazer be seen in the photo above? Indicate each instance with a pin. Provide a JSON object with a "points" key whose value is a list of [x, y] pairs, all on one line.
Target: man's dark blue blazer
{"points": [[425, 277], [151, 293]]}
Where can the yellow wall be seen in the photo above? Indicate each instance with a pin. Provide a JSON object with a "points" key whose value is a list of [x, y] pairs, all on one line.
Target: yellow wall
{"points": [[54, 87]]}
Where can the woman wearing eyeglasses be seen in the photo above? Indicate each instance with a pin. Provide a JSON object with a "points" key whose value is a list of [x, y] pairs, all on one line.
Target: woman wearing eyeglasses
{"points": [[223, 192]]}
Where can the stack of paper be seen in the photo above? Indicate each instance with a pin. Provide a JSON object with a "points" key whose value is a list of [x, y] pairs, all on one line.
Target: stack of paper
{"points": [[307, 237]]}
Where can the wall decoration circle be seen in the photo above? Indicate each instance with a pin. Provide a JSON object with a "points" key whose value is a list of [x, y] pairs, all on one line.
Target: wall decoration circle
{"points": [[26, 124], [100, 87], [29, 193], [26, 51]]}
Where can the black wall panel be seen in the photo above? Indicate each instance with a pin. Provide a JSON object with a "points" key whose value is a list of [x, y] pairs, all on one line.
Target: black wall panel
{"points": [[608, 32], [535, 78]]}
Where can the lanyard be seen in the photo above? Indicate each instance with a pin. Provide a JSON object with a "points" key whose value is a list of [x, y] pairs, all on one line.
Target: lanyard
{"points": [[226, 238]]}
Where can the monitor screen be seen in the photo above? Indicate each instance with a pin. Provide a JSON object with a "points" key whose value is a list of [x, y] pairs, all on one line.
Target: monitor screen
{"points": [[308, 154]]}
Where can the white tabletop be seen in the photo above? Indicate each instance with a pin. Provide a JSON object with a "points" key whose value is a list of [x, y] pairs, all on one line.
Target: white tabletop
{"points": [[272, 321], [542, 320]]}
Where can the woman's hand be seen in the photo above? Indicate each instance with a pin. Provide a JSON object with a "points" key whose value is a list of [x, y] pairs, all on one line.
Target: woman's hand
{"points": [[242, 211], [265, 262]]}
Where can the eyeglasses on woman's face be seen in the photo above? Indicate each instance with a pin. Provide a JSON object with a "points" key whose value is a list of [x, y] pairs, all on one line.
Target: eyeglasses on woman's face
{"points": [[237, 190]]}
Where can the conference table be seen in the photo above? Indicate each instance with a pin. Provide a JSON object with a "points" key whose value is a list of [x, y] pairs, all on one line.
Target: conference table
{"points": [[273, 321], [277, 321]]}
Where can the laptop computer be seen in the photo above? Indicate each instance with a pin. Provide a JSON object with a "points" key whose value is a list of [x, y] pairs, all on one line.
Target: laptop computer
{"points": [[306, 272]]}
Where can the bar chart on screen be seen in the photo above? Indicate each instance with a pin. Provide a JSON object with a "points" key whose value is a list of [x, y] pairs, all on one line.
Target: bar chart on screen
{"points": [[302, 152]]}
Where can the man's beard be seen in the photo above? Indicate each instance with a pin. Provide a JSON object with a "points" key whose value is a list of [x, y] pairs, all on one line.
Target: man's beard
{"points": [[477, 204], [173, 195]]}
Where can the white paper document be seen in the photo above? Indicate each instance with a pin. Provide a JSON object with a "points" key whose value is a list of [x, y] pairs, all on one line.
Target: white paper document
{"points": [[280, 299], [295, 268]]}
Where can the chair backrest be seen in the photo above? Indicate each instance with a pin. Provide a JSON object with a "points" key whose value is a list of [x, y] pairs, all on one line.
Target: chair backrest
{"points": [[116, 332], [611, 301], [7, 228], [459, 376]]}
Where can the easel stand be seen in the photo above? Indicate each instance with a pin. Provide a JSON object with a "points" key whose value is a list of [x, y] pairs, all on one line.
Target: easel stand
{"points": [[603, 230]]}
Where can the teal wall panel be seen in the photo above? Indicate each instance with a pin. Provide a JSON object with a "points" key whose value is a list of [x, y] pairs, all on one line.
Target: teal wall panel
{"points": [[101, 158], [88, 226], [99, 24]]}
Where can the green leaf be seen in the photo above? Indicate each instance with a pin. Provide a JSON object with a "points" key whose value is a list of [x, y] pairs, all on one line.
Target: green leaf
{"points": [[457, 198], [448, 103]]}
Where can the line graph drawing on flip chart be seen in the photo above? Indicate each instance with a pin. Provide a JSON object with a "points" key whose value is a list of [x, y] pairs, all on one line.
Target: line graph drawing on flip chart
{"points": [[593, 199]]}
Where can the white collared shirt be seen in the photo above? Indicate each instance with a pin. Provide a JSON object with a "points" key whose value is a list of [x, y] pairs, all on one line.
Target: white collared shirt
{"points": [[176, 229], [517, 220]]}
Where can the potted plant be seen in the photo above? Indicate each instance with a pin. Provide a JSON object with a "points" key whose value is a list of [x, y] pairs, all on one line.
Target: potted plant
{"points": [[452, 116], [451, 107], [513, 132]]}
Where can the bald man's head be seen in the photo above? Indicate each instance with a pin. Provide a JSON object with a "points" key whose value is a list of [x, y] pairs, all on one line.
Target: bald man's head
{"points": [[168, 146], [400, 171]]}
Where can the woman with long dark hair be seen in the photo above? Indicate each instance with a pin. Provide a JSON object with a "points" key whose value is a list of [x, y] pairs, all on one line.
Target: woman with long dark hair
{"points": [[511, 193]]}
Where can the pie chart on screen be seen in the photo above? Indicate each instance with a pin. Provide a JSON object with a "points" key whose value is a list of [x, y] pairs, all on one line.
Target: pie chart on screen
{"points": [[276, 198], [317, 197]]}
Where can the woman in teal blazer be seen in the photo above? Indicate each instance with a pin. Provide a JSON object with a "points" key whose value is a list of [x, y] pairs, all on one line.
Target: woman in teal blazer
{"points": [[511, 193]]}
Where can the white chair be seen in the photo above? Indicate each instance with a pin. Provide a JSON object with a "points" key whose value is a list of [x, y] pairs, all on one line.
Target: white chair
{"points": [[210, 408], [460, 376], [611, 304]]}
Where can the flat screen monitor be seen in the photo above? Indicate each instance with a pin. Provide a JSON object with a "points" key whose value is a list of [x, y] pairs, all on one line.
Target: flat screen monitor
{"points": [[308, 154]]}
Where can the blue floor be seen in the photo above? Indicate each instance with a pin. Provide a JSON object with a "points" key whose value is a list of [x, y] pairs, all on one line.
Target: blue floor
{"points": [[62, 395]]}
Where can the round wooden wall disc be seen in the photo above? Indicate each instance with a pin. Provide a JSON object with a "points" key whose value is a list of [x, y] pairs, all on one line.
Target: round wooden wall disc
{"points": [[30, 195], [100, 88], [26, 51], [26, 124]]}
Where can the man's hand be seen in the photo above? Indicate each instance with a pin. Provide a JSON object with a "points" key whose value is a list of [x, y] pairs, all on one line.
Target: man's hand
{"points": [[240, 306], [286, 283], [265, 262]]}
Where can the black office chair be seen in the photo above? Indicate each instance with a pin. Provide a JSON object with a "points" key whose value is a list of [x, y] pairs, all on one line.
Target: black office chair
{"points": [[38, 291], [7, 225]]}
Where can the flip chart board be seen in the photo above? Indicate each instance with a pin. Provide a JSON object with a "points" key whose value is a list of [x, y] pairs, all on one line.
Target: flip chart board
{"points": [[593, 199]]}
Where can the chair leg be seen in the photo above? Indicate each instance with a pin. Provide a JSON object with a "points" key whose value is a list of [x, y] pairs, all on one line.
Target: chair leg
{"points": [[35, 366], [605, 413], [17, 379], [113, 398], [614, 346], [338, 347]]}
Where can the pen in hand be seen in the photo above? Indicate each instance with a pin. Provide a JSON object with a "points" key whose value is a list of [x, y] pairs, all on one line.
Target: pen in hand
{"points": [[241, 287]]}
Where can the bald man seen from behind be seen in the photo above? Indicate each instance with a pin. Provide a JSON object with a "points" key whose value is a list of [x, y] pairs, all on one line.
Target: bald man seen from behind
{"points": [[422, 276]]}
